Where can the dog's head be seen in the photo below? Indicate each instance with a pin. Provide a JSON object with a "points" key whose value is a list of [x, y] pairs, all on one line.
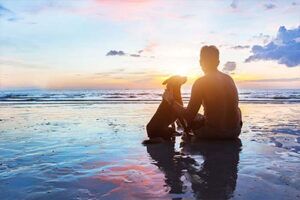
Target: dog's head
{"points": [[175, 81]]}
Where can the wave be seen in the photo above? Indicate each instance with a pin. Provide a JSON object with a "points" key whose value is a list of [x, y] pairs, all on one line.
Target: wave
{"points": [[287, 97], [281, 96]]}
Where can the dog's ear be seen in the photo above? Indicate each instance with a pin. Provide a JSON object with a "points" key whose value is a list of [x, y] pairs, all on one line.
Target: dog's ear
{"points": [[166, 81], [184, 79]]}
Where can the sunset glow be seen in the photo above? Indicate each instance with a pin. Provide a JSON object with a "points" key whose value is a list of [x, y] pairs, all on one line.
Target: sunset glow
{"points": [[137, 44]]}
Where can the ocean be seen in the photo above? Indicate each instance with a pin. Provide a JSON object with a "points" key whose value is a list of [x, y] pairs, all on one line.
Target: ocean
{"points": [[136, 96]]}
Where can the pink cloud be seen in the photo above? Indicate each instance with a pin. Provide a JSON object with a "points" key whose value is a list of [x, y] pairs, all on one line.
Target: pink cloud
{"points": [[149, 48], [119, 10], [130, 10]]}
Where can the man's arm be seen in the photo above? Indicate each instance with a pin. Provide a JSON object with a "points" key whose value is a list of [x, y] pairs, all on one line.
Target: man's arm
{"points": [[193, 107], [194, 103]]}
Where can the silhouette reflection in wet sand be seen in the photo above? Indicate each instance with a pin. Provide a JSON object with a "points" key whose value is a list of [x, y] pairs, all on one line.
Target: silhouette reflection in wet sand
{"points": [[214, 177]]}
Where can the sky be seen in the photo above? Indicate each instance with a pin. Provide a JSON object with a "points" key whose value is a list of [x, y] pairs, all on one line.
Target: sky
{"points": [[91, 44]]}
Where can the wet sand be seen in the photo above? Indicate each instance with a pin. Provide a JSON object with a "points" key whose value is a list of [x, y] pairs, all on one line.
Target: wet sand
{"points": [[94, 151]]}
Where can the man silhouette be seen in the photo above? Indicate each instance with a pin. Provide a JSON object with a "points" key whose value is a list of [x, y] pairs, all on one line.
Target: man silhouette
{"points": [[218, 95]]}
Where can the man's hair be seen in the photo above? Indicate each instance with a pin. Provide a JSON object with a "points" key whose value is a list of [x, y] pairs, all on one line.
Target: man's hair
{"points": [[210, 56]]}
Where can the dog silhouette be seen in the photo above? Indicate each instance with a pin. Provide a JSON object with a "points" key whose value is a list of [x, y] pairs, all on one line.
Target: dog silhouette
{"points": [[161, 127]]}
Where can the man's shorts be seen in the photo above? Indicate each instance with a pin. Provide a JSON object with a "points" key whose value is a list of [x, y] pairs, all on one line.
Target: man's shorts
{"points": [[202, 130]]}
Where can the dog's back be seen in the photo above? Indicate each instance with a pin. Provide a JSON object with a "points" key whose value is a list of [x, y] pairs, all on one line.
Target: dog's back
{"points": [[164, 116]]}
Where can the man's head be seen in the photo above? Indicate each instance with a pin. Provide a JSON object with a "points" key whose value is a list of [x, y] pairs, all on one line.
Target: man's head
{"points": [[209, 58]]}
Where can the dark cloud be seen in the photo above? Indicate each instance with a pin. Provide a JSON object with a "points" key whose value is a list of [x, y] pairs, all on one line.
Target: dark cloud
{"points": [[135, 55], [115, 53], [229, 67], [294, 4], [285, 48], [237, 47], [269, 6], [122, 53]]}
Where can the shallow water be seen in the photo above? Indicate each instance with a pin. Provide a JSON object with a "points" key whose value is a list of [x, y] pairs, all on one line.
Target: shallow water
{"points": [[92, 151]]}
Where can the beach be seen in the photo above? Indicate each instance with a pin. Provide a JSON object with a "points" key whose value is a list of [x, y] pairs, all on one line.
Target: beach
{"points": [[93, 150], [83, 83]]}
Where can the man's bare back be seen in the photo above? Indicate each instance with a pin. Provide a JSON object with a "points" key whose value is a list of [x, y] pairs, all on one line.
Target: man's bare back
{"points": [[217, 93]]}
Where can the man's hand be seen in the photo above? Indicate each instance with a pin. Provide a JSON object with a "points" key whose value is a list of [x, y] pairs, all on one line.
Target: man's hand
{"points": [[168, 96]]}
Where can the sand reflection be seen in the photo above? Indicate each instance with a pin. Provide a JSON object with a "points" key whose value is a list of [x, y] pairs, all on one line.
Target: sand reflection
{"points": [[207, 168]]}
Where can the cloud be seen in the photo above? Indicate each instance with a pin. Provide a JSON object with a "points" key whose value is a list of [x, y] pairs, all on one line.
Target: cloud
{"points": [[229, 67], [125, 74], [262, 37], [7, 14], [4, 11], [285, 48], [146, 51], [233, 4], [122, 53], [188, 16], [238, 47], [8, 62], [111, 73], [269, 6], [275, 80], [121, 10], [115, 53], [136, 55], [149, 48]]}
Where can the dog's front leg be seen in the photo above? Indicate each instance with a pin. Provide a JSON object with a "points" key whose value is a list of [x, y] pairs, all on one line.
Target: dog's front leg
{"points": [[173, 126]]}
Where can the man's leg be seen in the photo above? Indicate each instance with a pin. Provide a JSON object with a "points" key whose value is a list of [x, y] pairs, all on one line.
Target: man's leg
{"points": [[198, 122], [194, 127]]}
